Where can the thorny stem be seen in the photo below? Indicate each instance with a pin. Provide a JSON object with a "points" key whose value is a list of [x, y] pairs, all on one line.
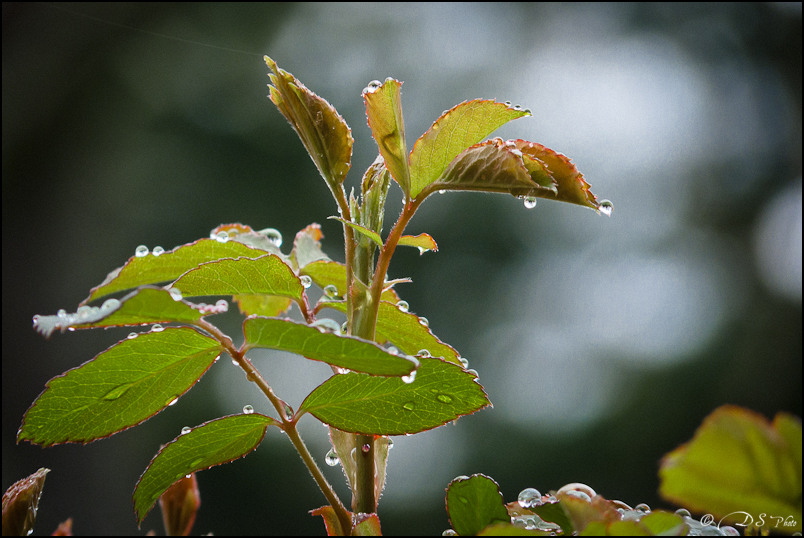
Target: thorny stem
{"points": [[288, 424]]}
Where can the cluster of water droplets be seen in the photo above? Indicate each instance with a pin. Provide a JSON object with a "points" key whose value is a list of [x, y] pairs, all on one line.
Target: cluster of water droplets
{"points": [[220, 307], [374, 85], [63, 320]]}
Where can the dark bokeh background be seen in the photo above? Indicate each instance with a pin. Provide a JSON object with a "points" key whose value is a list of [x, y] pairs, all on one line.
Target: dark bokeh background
{"points": [[602, 342]]}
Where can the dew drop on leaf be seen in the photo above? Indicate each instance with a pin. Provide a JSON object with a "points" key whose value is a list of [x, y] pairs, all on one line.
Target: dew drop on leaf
{"points": [[529, 497], [173, 401], [248, 409], [186, 430], [606, 207], [409, 406], [141, 251], [530, 202], [306, 281], [117, 392], [424, 353], [403, 306], [157, 328], [222, 237], [273, 235], [424, 321], [332, 458], [365, 448], [109, 305], [175, 293], [132, 335], [444, 398], [222, 306], [372, 86], [158, 251], [196, 463], [410, 378], [331, 291]]}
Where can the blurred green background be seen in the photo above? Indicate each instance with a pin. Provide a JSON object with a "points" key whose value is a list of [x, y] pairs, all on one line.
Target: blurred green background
{"points": [[602, 342]]}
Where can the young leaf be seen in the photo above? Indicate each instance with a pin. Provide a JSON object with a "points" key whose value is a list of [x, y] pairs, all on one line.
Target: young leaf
{"points": [[120, 388], [149, 305], [179, 505], [738, 462], [384, 113], [362, 230], [474, 503], [358, 403], [266, 275], [462, 126], [345, 443], [263, 305], [151, 269], [20, 502], [322, 130], [490, 166], [570, 185], [214, 442], [424, 242], [348, 352], [307, 246]]}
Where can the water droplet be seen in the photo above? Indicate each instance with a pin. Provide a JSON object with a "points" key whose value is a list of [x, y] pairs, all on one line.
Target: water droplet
{"points": [[141, 251], [109, 305], [464, 362], [642, 507], [529, 497], [473, 372], [345, 328], [517, 107], [683, 512], [235, 363], [288, 412], [390, 443], [157, 328], [173, 401], [158, 251], [331, 291], [449, 532], [530, 202], [392, 350], [273, 235], [222, 236], [365, 448], [444, 398], [409, 406], [403, 306], [606, 207], [424, 353], [196, 463], [175, 293], [327, 325], [248, 409], [306, 281], [332, 458], [424, 321], [442, 191], [222, 306], [410, 378], [372, 86], [132, 336], [186, 430], [463, 499], [579, 488], [507, 103], [728, 530], [117, 392]]}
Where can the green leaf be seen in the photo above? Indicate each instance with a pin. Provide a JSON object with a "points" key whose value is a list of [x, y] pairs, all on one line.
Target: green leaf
{"points": [[262, 305], [348, 352], [357, 403], [120, 388], [322, 130], [267, 275], [424, 242], [384, 113], [344, 445], [212, 443], [462, 126], [554, 512], [474, 503], [406, 331], [148, 305], [738, 462], [169, 266], [362, 230], [490, 166]]}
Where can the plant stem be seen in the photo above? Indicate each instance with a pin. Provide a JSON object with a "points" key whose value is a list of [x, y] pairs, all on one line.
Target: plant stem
{"points": [[288, 423]]}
